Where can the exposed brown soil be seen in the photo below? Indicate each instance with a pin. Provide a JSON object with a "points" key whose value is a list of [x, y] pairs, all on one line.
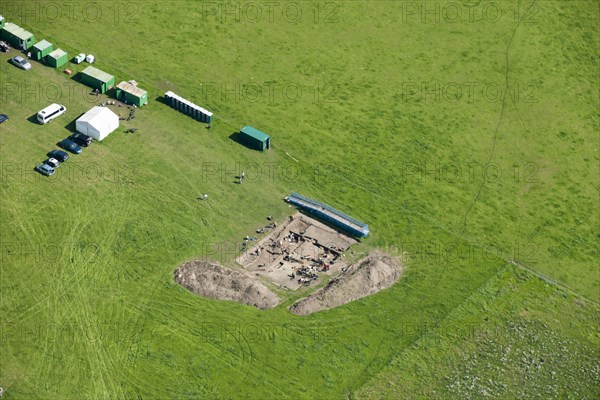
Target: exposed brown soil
{"points": [[296, 251], [217, 282], [369, 275]]}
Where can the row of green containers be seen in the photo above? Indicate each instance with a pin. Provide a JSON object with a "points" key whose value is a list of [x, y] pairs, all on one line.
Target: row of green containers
{"points": [[24, 40], [124, 91], [44, 51], [96, 79]]}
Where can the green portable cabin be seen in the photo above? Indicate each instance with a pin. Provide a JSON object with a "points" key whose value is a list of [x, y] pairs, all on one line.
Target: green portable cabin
{"points": [[57, 58], [2, 22], [41, 49], [130, 93], [16, 36], [254, 138], [97, 79]]}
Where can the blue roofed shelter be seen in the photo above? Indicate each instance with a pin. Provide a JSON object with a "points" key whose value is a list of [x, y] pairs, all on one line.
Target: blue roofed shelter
{"points": [[330, 215]]}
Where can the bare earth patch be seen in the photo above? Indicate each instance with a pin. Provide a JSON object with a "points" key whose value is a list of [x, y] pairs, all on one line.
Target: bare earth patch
{"points": [[298, 253], [217, 282], [369, 275]]}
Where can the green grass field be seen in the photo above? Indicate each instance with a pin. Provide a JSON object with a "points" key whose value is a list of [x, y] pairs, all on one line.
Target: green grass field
{"points": [[466, 137]]}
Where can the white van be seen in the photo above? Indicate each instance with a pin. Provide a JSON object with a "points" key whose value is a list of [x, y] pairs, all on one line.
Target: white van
{"points": [[50, 112]]}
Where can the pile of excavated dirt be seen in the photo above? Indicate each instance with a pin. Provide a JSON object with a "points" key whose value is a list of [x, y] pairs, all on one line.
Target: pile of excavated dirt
{"points": [[217, 282], [369, 275]]}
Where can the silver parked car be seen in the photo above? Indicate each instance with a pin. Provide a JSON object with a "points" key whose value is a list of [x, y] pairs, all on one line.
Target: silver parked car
{"points": [[21, 62], [45, 169]]}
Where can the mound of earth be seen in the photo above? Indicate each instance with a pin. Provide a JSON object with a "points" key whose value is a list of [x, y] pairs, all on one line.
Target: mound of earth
{"points": [[217, 282], [369, 275]]}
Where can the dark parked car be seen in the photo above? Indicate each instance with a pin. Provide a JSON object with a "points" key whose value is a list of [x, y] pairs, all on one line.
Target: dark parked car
{"points": [[3, 117], [81, 139], [45, 169], [53, 162], [69, 145], [59, 155]]}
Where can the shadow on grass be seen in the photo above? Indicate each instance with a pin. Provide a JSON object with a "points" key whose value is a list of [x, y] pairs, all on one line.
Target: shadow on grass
{"points": [[72, 125], [162, 100], [77, 77], [33, 119], [237, 137]]}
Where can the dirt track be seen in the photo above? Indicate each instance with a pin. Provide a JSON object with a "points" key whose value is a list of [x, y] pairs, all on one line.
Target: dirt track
{"points": [[217, 282], [369, 275]]}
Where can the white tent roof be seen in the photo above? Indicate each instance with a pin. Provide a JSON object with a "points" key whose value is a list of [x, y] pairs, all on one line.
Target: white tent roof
{"points": [[97, 113], [98, 122]]}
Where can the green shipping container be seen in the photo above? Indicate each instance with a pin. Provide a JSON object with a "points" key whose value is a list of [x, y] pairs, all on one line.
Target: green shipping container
{"points": [[16, 36], [254, 138], [41, 49], [131, 94], [97, 79], [57, 58]]}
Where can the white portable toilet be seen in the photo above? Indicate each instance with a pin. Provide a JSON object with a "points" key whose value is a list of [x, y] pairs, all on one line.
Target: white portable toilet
{"points": [[79, 58], [90, 58]]}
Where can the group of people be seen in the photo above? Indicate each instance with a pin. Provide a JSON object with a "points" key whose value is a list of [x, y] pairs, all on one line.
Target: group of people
{"points": [[305, 276]]}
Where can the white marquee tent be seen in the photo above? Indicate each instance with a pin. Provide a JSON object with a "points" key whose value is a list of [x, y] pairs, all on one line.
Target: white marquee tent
{"points": [[97, 123]]}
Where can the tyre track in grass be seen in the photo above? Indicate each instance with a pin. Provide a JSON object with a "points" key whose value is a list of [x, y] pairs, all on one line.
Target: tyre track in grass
{"points": [[461, 234], [550, 281], [104, 362], [224, 353], [74, 278], [183, 202], [84, 269], [81, 326], [108, 360], [471, 299], [417, 211], [110, 356], [98, 367], [51, 339], [188, 335], [425, 216], [244, 342], [449, 316], [500, 117]]}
